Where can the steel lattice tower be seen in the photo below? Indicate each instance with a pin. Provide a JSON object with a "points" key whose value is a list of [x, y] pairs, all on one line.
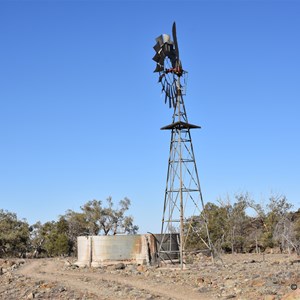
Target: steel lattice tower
{"points": [[183, 201]]}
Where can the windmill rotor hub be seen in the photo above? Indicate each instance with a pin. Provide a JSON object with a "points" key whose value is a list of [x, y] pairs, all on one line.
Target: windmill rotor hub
{"points": [[177, 70]]}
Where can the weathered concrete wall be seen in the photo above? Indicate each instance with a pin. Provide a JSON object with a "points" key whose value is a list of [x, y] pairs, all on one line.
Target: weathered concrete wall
{"points": [[97, 250], [84, 250]]}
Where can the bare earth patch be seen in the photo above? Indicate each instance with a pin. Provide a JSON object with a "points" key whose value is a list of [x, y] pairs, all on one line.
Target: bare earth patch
{"points": [[242, 276]]}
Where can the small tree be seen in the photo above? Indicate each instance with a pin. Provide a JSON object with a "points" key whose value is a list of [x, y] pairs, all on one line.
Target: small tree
{"points": [[50, 239], [77, 225], [235, 223], [277, 222], [296, 233], [107, 219], [14, 234]]}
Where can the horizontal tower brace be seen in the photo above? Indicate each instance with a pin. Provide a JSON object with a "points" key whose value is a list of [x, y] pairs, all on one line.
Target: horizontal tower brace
{"points": [[183, 190]]}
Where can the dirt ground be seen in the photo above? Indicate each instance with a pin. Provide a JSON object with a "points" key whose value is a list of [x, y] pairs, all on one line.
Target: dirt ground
{"points": [[242, 276]]}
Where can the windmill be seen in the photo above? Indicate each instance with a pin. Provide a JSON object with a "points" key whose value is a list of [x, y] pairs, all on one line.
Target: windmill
{"points": [[183, 201]]}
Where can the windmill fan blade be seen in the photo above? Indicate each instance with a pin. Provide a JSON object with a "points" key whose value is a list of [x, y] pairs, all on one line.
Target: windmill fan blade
{"points": [[159, 40], [162, 60], [156, 47], [175, 40], [160, 77], [156, 57], [168, 90], [174, 102], [163, 86], [159, 68], [173, 97], [166, 97]]}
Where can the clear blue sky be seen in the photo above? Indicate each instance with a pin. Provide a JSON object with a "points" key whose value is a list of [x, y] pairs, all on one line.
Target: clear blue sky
{"points": [[80, 107]]}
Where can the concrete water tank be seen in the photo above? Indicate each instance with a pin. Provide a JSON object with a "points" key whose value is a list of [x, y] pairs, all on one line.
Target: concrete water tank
{"points": [[117, 247], [96, 250]]}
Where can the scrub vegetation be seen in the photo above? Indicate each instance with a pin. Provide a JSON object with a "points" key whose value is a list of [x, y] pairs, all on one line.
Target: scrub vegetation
{"points": [[239, 226], [245, 226], [55, 238]]}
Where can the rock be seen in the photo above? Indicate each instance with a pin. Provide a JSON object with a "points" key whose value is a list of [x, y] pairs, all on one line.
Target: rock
{"points": [[62, 289], [258, 283], [10, 263], [230, 296], [39, 282], [131, 268], [141, 268], [128, 289], [199, 280], [1, 271], [275, 280], [67, 263], [21, 261], [271, 291], [30, 296], [117, 288], [203, 289], [74, 267], [230, 283], [119, 266]]}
